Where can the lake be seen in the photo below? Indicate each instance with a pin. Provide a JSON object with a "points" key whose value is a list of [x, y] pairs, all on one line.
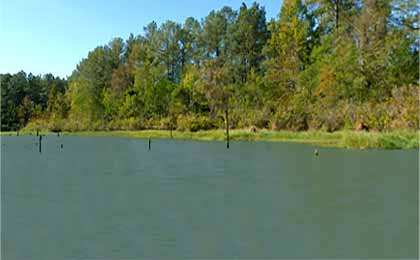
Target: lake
{"points": [[111, 198]]}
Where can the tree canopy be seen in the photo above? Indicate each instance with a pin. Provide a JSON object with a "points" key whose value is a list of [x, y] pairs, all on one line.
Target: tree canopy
{"points": [[321, 64]]}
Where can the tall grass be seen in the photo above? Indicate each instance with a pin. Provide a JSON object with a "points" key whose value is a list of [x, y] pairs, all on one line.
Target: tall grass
{"points": [[342, 139], [402, 139]]}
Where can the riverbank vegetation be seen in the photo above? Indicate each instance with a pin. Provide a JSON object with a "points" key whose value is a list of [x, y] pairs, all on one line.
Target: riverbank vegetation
{"points": [[320, 66], [340, 139]]}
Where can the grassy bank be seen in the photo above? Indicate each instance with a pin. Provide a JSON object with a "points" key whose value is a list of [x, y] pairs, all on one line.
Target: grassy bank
{"points": [[342, 139]]}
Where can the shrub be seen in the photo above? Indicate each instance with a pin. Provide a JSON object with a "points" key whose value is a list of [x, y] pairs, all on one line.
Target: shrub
{"points": [[152, 123], [36, 125], [404, 106], [194, 123], [165, 123], [131, 123], [252, 117]]}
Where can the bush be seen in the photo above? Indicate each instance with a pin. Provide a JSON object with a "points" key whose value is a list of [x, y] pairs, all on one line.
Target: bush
{"points": [[404, 107], [152, 123], [291, 119], [36, 125], [330, 116], [194, 123], [248, 118], [165, 123], [131, 123], [400, 111]]}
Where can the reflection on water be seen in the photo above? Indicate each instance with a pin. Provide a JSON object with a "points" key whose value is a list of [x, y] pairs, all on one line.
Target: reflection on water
{"points": [[112, 198]]}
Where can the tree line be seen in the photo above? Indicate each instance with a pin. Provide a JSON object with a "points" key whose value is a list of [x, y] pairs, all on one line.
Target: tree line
{"points": [[321, 64]]}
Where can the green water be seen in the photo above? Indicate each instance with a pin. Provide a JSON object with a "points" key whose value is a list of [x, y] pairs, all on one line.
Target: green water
{"points": [[111, 198]]}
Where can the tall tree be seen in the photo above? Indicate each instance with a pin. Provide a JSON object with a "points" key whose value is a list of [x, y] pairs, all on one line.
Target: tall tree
{"points": [[287, 48], [215, 32], [87, 84], [191, 44], [249, 33]]}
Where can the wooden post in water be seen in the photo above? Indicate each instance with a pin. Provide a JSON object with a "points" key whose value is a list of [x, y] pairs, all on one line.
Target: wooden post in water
{"points": [[227, 122], [40, 144], [150, 144], [170, 128]]}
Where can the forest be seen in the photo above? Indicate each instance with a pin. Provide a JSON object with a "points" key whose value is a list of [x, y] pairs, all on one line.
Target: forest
{"points": [[320, 65]]}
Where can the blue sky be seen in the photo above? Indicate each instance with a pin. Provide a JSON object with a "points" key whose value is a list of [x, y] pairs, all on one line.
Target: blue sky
{"points": [[52, 36]]}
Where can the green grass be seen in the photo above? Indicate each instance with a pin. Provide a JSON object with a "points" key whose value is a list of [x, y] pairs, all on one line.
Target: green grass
{"points": [[402, 139]]}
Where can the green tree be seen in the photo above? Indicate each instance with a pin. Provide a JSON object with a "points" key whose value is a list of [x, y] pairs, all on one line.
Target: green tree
{"points": [[249, 35], [191, 44], [86, 87], [216, 35], [287, 49]]}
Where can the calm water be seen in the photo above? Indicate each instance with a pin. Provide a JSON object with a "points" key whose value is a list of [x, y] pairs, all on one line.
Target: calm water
{"points": [[111, 198]]}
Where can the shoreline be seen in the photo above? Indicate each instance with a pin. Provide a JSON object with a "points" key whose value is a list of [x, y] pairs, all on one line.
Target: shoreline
{"points": [[398, 139]]}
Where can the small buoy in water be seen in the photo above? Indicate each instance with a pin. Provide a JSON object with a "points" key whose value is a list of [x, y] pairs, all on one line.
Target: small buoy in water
{"points": [[316, 153]]}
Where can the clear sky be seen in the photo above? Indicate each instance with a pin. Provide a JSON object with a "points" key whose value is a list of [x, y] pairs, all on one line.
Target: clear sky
{"points": [[52, 36]]}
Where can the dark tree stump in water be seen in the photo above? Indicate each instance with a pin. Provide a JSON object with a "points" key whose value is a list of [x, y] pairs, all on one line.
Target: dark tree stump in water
{"points": [[40, 144]]}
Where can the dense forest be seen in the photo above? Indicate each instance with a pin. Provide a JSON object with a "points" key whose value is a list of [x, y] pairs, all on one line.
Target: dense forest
{"points": [[322, 64]]}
